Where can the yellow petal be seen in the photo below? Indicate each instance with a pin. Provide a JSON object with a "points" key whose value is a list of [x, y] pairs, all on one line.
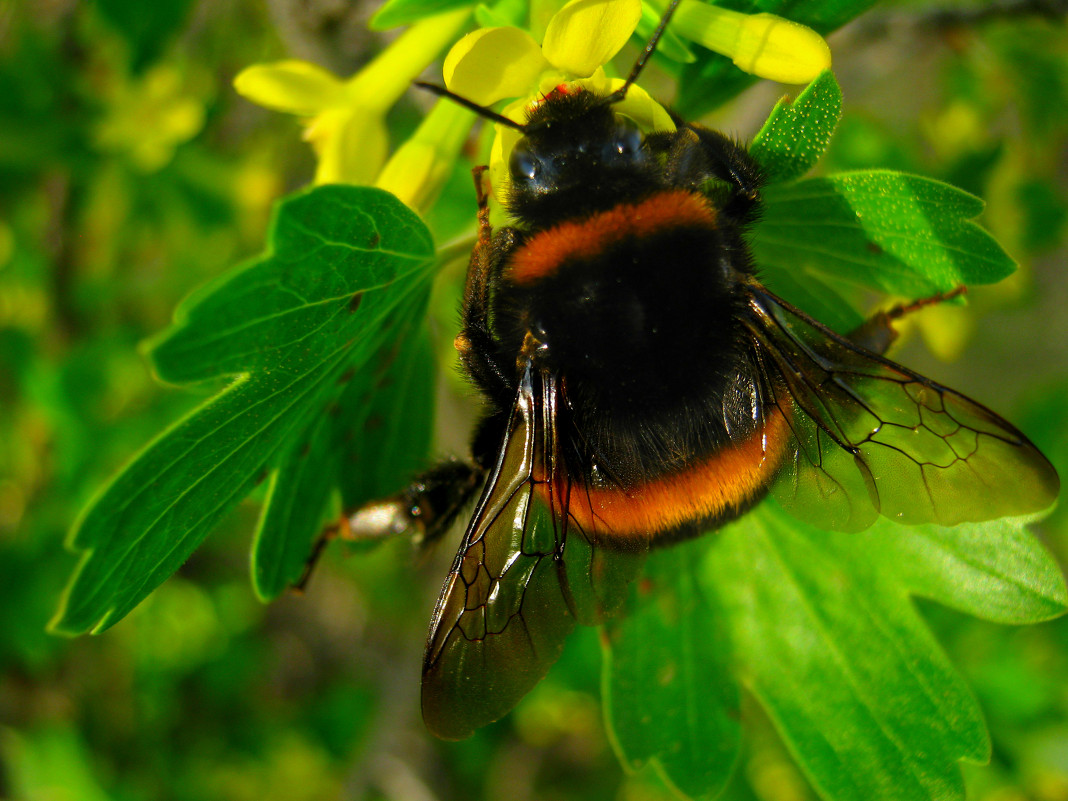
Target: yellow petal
{"points": [[415, 174], [351, 147], [293, 86], [389, 75], [585, 34], [418, 170], [781, 50], [501, 151], [761, 44], [492, 64], [638, 104]]}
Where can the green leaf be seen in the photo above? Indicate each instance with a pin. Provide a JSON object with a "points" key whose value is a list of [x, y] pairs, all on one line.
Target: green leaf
{"points": [[397, 424], [501, 13], [345, 446], [884, 230], [797, 133], [395, 13], [811, 293], [36, 756], [825, 636], [330, 248], [146, 26], [668, 698], [997, 571], [342, 261]]}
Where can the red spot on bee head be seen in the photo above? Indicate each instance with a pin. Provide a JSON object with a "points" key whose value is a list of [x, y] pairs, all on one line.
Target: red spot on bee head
{"points": [[557, 91]]}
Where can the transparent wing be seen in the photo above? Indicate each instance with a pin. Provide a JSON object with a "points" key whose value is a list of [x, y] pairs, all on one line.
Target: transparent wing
{"points": [[523, 576], [871, 437]]}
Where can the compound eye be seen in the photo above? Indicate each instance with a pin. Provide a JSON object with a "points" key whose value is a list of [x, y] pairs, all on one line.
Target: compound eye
{"points": [[627, 137], [523, 164]]}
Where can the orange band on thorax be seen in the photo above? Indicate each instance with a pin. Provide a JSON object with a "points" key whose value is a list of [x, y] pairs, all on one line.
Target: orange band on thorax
{"points": [[664, 211]]}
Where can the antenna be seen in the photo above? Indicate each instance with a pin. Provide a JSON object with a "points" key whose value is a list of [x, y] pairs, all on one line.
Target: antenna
{"points": [[639, 65], [481, 111]]}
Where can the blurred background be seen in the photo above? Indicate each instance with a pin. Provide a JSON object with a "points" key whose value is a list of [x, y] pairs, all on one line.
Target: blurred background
{"points": [[131, 172]]}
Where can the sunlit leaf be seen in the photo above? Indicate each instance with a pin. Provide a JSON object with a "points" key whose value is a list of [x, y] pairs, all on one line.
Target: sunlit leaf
{"points": [[825, 636], [797, 133], [889, 231]]}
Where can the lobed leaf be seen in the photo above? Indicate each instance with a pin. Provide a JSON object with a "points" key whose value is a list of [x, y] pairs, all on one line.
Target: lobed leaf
{"points": [[320, 273], [997, 571], [825, 636], [343, 446], [328, 249], [668, 696]]}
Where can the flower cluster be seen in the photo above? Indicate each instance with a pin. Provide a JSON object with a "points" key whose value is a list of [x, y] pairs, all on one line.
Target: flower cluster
{"points": [[345, 120]]}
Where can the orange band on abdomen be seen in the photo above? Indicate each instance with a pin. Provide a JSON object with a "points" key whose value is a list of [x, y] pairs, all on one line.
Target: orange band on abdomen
{"points": [[724, 482]]}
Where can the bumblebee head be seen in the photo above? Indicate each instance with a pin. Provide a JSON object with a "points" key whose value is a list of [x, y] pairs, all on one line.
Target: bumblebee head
{"points": [[573, 141]]}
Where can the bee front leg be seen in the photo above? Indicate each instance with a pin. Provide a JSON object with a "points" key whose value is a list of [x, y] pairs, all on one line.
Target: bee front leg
{"points": [[877, 333], [424, 511], [478, 349]]}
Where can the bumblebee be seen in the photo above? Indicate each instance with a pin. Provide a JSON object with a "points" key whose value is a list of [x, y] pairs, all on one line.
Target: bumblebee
{"points": [[643, 386]]}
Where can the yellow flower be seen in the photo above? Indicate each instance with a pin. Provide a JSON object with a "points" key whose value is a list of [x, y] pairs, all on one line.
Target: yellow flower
{"points": [[421, 166], [762, 44], [345, 120], [148, 117], [497, 63], [493, 64]]}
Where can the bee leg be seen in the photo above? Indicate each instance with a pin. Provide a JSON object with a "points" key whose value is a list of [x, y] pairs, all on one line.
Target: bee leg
{"points": [[877, 333], [478, 349], [731, 162], [424, 511], [697, 154]]}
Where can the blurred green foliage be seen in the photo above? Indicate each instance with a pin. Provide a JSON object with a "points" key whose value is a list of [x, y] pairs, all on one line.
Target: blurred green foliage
{"points": [[130, 173]]}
